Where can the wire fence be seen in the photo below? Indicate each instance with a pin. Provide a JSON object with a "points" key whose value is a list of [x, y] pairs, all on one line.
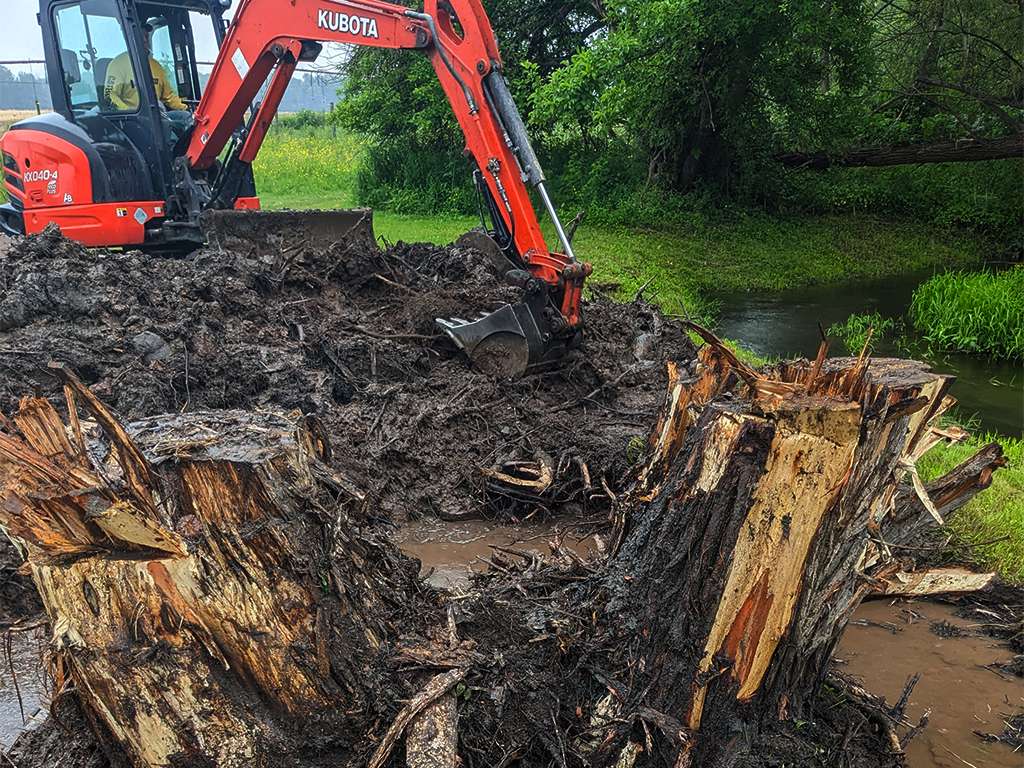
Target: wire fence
{"points": [[24, 87]]}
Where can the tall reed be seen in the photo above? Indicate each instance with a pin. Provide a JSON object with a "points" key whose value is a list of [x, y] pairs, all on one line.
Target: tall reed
{"points": [[980, 312]]}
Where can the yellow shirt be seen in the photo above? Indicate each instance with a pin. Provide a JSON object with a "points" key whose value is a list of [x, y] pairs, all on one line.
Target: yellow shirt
{"points": [[120, 90]]}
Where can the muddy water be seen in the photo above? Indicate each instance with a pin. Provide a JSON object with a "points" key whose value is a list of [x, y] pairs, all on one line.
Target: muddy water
{"points": [[961, 693], [450, 552], [785, 324], [25, 661]]}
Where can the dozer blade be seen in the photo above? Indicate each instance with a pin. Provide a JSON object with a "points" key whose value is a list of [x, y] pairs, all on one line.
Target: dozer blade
{"points": [[503, 343], [320, 229]]}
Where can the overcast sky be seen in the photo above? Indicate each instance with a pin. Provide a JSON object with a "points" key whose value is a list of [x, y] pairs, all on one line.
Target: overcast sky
{"points": [[22, 37]]}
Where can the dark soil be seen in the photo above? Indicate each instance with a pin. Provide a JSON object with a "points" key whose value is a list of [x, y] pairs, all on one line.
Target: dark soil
{"points": [[1012, 735], [347, 335], [63, 740], [319, 331], [948, 629], [18, 598], [998, 612]]}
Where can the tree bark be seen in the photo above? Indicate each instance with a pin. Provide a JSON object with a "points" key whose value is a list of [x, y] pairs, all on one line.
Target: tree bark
{"points": [[219, 598], [750, 526], [959, 151]]}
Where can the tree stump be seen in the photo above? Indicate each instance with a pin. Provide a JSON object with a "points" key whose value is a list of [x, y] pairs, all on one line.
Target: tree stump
{"points": [[210, 595], [752, 532], [219, 598]]}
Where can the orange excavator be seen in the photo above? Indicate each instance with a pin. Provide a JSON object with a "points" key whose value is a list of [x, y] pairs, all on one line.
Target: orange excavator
{"points": [[119, 163]]}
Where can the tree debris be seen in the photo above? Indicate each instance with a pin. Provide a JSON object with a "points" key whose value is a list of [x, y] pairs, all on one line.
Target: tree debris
{"points": [[222, 591]]}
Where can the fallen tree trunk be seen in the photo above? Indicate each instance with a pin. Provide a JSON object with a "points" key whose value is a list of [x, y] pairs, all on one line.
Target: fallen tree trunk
{"points": [[959, 151], [219, 597]]}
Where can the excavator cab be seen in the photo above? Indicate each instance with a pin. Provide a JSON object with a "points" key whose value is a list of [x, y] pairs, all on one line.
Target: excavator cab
{"points": [[101, 165]]}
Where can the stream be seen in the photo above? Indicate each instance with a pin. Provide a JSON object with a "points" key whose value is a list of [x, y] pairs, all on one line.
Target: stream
{"points": [[785, 324]]}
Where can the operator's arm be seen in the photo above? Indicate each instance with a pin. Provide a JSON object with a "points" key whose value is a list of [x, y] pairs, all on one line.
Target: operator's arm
{"points": [[119, 88], [164, 91]]}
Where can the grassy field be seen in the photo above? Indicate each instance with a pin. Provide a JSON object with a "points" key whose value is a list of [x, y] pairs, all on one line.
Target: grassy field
{"points": [[989, 530], [10, 116], [314, 168]]}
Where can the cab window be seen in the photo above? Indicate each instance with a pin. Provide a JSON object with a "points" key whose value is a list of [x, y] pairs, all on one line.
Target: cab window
{"points": [[163, 53], [93, 48]]}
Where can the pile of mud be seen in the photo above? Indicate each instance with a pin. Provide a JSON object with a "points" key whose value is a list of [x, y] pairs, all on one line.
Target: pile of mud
{"points": [[347, 335]]}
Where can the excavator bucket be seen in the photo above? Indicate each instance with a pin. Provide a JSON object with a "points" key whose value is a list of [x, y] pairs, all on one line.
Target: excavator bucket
{"points": [[503, 343], [320, 229], [510, 340]]}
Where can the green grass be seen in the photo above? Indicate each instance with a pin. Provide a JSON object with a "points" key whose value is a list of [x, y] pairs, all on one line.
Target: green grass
{"points": [[681, 268], [994, 515], [307, 168], [856, 331], [981, 312]]}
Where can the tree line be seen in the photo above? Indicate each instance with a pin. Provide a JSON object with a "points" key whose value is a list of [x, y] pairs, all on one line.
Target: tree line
{"points": [[21, 89], [707, 95]]}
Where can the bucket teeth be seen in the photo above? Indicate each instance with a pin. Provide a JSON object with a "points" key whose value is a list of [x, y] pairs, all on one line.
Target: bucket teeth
{"points": [[468, 334], [495, 342]]}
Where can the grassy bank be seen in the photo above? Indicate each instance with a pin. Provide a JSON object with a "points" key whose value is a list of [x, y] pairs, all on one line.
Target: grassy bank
{"points": [[989, 530], [682, 263], [980, 312]]}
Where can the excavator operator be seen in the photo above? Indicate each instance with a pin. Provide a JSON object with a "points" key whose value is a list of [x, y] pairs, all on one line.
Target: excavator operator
{"points": [[121, 90], [123, 95]]}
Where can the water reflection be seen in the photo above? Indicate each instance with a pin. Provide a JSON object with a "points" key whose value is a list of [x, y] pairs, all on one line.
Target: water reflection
{"points": [[785, 324]]}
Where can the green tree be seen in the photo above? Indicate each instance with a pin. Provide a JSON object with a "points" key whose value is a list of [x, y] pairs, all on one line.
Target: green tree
{"points": [[947, 69], [414, 159], [700, 85], [630, 97]]}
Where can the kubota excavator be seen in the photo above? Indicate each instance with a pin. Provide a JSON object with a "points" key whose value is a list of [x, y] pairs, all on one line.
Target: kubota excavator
{"points": [[117, 170]]}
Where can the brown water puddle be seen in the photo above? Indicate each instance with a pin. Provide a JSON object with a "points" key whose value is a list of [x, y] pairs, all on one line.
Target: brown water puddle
{"points": [[450, 552], [962, 695]]}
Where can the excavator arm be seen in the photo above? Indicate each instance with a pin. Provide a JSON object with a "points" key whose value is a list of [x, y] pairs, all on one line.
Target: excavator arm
{"points": [[268, 39]]}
